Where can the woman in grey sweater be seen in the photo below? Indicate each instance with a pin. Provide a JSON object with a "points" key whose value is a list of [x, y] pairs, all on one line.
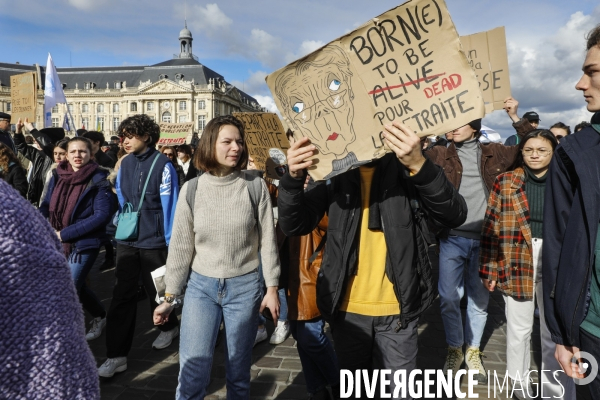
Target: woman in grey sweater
{"points": [[220, 239]]}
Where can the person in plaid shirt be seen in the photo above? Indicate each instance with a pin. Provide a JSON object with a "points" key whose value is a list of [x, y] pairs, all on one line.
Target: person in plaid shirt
{"points": [[510, 259]]}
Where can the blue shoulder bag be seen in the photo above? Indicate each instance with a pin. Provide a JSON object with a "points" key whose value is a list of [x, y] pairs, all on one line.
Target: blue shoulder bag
{"points": [[127, 229]]}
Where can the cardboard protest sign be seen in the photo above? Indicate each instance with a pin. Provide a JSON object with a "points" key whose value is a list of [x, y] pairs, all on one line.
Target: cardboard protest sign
{"points": [[404, 65], [23, 96], [174, 134], [488, 57], [267, 142]]}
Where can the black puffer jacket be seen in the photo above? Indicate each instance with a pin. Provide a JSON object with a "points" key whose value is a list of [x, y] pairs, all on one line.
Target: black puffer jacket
{"points": [[405, 231], [17, 178], [41, 162]]}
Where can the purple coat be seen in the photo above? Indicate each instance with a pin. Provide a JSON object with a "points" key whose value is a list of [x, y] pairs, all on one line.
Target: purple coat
{"points": [[43, 351]]}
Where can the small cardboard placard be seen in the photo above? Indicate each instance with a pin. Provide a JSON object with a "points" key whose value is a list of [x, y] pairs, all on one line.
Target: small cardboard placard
{"points": [[404, 65], [174, 134], [23, 97], [267, 142], [487, 55]]}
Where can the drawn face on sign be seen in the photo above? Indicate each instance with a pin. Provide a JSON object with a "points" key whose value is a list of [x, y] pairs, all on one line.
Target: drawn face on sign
{"points": [[316, 95]]}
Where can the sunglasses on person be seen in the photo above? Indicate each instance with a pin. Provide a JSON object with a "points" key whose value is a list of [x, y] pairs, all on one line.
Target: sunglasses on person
{"points": [[169, 154]]}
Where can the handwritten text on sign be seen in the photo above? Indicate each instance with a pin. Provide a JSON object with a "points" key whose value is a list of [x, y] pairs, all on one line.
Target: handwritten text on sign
{"points": [[23, 96], [266, 141], [174, 134], [405, 65]]}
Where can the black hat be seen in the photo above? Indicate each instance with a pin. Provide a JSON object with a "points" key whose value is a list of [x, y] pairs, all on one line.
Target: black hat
{"points": [[114, 138], [55, 134], [476, 124], [81, 131], [5, 116], [531, 116]]}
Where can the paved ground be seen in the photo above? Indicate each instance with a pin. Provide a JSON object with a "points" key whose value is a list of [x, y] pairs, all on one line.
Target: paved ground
{"points": [[276, 370]]}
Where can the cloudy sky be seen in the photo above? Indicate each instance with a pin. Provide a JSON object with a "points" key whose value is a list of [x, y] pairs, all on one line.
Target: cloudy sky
{"points": [[244, 41]]}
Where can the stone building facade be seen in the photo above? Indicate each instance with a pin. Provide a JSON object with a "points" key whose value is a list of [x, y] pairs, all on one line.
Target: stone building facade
{"points": [[100, 98]]}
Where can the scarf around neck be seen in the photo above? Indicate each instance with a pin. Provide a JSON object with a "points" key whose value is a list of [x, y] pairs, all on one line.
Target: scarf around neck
{"points": [[67, 190]]}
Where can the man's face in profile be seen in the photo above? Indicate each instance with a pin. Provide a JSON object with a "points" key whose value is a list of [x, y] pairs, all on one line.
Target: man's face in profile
{"points": [[320, 106], [589, 83]]}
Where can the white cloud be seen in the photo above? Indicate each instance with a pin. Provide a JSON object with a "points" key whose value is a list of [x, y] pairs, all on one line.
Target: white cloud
{"points": [[267, 102], [210, 19], [308, 46], [544, 73]]}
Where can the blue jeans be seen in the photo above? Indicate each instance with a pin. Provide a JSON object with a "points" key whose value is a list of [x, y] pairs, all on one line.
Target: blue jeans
{"points": [[319, 362], [81, 263], [459, 272], [208, 300]]}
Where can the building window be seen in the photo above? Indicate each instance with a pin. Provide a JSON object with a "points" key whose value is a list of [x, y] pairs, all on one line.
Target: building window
{"points": [[150, 106], [182, 118], [116, 123], [134, 107], [54, 109], [118, 85], [179, 76], [162, 76], [100, 124], [8, 106], [70, 107], [201, 105], [182, 105], [115, 108], [55, 122], [166, 117], [100, 108], [85, 121], [85, 108], [201, 122]]}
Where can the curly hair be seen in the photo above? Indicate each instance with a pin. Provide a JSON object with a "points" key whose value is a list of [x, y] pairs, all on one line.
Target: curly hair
{"points": [[205, 158], [593, 37], [6, 157], [140, 125]]}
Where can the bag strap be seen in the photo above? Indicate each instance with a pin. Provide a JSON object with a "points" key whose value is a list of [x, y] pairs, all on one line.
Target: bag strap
{"points": [[253, 184], [314, 255], [147, 180]]}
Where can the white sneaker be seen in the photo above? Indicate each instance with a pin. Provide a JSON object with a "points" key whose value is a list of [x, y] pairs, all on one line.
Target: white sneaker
{"points": [[96, 330], [282, 331], [112, 366], [454, 359], [523, 391], [165, 339], [261, 334]]}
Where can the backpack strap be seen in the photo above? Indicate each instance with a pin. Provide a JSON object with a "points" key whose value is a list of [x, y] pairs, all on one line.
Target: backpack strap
{"points": [[190, 194], [254, 184], [147, 180]]}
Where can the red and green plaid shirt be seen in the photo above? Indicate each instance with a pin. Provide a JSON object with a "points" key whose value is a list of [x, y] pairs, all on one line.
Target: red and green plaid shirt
{"points": [[505, 252]]}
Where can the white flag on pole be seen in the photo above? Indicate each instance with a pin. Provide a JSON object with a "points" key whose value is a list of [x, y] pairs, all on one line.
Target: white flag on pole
{"points": [[53, 91]]}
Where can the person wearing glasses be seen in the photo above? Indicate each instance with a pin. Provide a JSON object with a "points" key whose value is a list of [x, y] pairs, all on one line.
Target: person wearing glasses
{"points": [[171, 154], [560, 130], [510, 260], [472, 168]]}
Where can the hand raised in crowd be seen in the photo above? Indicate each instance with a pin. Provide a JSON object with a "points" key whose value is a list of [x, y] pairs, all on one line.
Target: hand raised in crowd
{"points": [[271, 301], [406, 144], [489, 284], [511, 106], [564, 356], [297, 156], [251, 165], [161, 313], [19, 125]]}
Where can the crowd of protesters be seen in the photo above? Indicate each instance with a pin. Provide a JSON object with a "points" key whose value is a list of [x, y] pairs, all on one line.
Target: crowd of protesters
{"points": [[521, 217]]}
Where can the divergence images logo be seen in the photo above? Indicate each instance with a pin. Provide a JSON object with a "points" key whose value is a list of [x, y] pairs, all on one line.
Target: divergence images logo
{"points": [[583, 367]]}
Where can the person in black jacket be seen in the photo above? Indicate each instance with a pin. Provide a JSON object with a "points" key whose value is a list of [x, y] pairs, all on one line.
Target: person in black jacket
{"points": [[42, 160], [97, 139], [376, 278], [12, 171], [571, 254]]}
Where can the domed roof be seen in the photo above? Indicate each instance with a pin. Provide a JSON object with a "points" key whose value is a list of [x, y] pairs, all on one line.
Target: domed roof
{"points": [[185, 33]]}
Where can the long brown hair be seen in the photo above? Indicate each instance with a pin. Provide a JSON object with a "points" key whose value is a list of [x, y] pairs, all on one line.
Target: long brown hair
{"points": [[6, 157], [205, 158]]}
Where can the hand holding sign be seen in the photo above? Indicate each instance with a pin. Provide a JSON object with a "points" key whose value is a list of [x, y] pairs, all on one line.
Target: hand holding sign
{"points": [[297, 156], [406, 144]]}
